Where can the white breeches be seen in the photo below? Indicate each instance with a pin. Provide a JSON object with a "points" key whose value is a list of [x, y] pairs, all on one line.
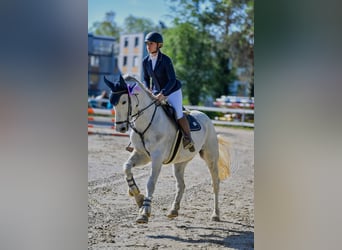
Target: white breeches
{"points": [[175, 100]]}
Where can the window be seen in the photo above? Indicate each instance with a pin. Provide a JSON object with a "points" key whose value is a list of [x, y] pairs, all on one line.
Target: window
{"points": [[124, 60], [126, 42], [136, 42], [94, 61]]}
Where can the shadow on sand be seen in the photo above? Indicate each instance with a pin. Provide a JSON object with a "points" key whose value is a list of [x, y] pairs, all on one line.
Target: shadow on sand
{"points": [[234, 239]]}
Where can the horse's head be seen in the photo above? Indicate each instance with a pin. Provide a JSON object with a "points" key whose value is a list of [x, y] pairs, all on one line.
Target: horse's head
{"points": [[118, 88], [124, 98], [119, 98], [122, 91]]}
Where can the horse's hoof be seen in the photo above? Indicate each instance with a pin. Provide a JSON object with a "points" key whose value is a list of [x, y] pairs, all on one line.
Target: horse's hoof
{"points": [[142, 219], [145, 212], [215, 218], [139, 199], [173, 213]]}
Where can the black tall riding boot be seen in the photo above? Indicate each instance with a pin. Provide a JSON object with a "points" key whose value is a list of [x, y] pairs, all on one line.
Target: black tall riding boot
{"points": [[187, 141]]}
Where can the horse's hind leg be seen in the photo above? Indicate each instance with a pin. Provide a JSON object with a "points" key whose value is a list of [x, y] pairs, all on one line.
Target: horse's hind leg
{"points": [[135, 159], [211, 158], [178, 170]]}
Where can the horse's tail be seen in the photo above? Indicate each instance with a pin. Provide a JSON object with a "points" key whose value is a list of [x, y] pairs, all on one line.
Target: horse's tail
{"points": [[224, 157]]}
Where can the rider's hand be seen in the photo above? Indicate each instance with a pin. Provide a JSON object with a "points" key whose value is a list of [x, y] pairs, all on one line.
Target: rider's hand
{"points": [[160, 97]]}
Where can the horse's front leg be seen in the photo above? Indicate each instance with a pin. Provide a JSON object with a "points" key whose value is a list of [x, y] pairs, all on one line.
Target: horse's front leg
{"points": [[135, 159], [145, 210], [178, 170]]}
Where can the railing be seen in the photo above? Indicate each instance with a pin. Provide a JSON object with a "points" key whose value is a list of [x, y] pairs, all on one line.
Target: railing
{"points": [[239, 120]]}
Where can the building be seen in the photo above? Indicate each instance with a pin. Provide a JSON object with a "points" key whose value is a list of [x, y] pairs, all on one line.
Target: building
{"points": [[131, 53], [102, 60]]}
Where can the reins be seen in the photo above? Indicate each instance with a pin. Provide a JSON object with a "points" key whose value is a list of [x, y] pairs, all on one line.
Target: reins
{"points": [[140, 112], [141, 134]]}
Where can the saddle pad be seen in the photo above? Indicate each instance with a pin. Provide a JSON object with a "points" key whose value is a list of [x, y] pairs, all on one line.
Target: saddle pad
{"points": [[194, 124]]}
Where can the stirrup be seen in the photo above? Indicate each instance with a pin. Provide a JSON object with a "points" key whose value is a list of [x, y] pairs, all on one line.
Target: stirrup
{"points": [[129, 149], [188, 144]]}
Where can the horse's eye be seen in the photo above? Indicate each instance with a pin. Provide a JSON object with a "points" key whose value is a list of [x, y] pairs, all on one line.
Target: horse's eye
{"points": [[124, 102]]}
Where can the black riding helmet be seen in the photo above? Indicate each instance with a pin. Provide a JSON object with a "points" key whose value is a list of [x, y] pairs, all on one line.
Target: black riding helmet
{"points": [[154, 37]]}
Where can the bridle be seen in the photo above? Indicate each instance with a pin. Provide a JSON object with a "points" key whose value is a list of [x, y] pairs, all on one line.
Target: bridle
{"points": [[130, 122]]}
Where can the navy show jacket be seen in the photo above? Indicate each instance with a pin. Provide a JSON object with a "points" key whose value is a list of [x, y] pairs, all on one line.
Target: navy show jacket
{"points": [[163, 76]]}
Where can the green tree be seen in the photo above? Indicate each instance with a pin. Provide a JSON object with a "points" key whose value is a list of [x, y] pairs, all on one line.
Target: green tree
{"points": [[242, 42], [137, 24], [107, 27], [226, 28], [186, 46]]}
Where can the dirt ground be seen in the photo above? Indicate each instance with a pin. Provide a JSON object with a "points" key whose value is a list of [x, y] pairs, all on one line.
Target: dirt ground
{"points": [[112, 213]]}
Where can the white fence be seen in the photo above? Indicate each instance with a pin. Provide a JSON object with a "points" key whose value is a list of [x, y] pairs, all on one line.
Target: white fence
{"points": [[110, 115], [241, 122]]}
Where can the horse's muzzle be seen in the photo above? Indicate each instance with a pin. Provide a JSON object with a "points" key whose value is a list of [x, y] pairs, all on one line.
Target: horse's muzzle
{"points": [[121, 128]]}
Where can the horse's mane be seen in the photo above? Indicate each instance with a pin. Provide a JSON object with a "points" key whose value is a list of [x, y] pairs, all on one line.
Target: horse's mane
{"points": [[128, 77]]}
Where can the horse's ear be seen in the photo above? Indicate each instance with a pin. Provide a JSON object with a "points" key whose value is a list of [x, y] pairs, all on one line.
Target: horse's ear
{"points": [[109, 83], [122, 82]]}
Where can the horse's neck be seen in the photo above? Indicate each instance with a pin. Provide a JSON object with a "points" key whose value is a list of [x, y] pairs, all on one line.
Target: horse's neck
{"points": [[141, 102], [153, 114]]}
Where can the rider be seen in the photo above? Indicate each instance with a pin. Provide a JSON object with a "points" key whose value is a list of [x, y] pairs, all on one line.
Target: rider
{"points": [[158, 67]]}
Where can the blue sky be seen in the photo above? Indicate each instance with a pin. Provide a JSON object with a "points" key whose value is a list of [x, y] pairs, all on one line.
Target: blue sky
{"points": [[153, 9]]}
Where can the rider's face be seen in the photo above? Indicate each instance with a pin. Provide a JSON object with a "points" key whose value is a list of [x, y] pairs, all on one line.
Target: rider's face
{"points": [[151, 47]]}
